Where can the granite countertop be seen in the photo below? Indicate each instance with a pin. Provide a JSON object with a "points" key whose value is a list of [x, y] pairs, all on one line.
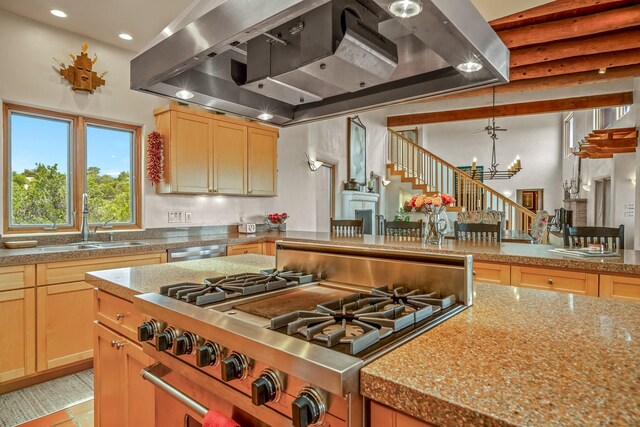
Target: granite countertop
{"points": [[518, 357], [508, 253], [130, 281]]}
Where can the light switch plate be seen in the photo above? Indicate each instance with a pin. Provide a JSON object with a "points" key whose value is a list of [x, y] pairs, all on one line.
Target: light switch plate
{"points": [[175, 217], [187, 217]]}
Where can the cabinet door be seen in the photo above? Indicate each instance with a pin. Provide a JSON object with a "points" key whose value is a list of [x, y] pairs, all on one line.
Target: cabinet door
{"points": [[138, 394], [575, 282], [620, 287], [64, 324], [17, 277], [492, 273], [263, 162], [18, 337], [230, 158], [191, 163], [109, 400]]}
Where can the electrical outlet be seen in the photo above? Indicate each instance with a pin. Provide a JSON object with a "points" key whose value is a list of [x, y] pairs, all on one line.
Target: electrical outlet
{"points": [[629, 214], [187, 217], [175, 217]]}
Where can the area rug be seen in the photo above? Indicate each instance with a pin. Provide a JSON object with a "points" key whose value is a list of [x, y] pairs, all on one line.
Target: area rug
{"points": [[33, 402]]}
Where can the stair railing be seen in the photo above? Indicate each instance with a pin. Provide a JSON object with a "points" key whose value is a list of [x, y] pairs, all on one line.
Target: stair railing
{"points": [[433, 174]]}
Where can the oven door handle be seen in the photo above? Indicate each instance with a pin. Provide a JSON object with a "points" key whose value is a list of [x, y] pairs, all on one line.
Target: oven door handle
{"points": [[194, 405]]}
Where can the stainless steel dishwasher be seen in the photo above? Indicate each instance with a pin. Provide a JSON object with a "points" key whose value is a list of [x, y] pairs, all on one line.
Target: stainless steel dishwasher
{"points": [[197, 252]]}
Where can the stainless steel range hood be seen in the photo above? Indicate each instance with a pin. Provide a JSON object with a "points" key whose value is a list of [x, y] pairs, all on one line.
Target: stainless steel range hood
{"points": [[302, 60]]}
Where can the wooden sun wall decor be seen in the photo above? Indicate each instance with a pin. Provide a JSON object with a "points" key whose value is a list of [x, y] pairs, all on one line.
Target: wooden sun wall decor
{"points": [[80, 74]]}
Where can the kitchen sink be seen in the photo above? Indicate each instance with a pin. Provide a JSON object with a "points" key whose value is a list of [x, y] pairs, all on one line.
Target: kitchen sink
{"points": [[120, 244], [90, 245]]}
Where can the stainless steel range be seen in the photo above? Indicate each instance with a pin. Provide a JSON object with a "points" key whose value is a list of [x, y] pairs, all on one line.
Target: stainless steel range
{"points": [[284, 347]]}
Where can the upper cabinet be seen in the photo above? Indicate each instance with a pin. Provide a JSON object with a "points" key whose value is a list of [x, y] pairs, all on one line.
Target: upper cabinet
{"points": [[209, 153]]}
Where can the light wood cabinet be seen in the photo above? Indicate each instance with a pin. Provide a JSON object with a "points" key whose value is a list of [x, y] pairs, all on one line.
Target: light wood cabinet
{"points": [[209, 153], [575, 282], [64, 324], [230, 158], [18, 337], [188, 154], [263, 162], [117, 314], [269, 248], [499, 274], [249, 248], [620, 287], [122, 397], [383, 416], [17, 277]]}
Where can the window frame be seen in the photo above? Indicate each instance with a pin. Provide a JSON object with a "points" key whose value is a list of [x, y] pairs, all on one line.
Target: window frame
{"points": [[622, 111], [78, 157], [568, 139]]}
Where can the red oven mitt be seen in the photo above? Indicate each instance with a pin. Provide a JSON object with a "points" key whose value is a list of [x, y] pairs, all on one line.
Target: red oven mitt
{"points": [[214, 418]]}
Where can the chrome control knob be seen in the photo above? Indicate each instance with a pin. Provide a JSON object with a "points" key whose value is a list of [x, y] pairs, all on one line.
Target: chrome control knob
{"points": [[184, 344], [266, 388], [208, 354], [308, 408], [165, 339], [234, 367]]}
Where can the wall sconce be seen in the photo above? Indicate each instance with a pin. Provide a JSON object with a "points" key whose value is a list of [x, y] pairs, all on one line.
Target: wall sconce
{"points": [[314, 165], [633, 181], [385, 181]]}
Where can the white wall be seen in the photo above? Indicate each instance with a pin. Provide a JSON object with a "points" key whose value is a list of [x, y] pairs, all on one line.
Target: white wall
{"points": [[536, 139]]}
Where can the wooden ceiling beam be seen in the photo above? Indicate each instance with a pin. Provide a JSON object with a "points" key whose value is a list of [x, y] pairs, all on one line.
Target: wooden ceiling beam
{"points": [[577, 65], [554, 11], [611, 20], [550, 52], [577, 79], [525, 108]]}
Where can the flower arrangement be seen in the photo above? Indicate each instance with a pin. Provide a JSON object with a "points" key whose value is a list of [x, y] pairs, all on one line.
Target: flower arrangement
{"points": [[276, 220], [422, 202]]}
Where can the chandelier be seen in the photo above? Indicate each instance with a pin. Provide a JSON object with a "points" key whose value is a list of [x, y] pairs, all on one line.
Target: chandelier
{"points": [[493, 172]]}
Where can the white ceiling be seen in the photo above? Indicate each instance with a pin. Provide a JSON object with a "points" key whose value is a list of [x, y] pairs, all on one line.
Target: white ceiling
{"points": [[145, 19], [104, 19]]}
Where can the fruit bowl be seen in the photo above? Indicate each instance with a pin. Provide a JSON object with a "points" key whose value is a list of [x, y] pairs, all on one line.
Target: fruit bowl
{"points": [[276, 221]]}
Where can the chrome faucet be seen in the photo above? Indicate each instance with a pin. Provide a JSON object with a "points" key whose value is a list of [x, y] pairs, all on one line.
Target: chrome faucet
{"points": [[85, 232]]}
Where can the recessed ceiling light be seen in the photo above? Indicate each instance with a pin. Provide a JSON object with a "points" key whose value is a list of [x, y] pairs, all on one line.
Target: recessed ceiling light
{"points": [[184, 94], [58, 13], [265, 116], [405, 8], [469, 67], [602, 70], [125, 36]]}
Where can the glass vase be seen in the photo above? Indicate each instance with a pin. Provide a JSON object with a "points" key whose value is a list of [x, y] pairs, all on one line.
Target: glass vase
{"points": [[435, 225]]}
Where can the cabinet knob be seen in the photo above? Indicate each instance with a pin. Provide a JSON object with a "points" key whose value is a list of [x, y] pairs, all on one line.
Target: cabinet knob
{"points": [[550, 281], [120, 316], [250, 192], [117, 344], [215, 190], [474, 272]]}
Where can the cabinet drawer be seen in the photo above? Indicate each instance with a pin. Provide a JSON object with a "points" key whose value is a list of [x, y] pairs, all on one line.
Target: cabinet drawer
{"points": [[492, 273], [574, 282], [73, 271], [251, 248], [118, 314], [620, 287], [17, 277]]}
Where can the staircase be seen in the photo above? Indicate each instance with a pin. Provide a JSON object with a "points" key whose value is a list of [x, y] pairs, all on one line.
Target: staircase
{"points": [[431, 174]]}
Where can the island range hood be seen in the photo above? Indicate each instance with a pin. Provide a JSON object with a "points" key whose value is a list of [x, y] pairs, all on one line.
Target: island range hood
{"points": [[293, 61]]}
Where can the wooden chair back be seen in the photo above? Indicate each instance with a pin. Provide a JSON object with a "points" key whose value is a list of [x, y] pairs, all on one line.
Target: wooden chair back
{"points": [[403, 228], [481, 232], [611, 237], [347, 226]]}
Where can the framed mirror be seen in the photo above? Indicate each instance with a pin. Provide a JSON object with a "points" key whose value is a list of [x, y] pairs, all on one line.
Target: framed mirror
{"points": [[357, 150]]}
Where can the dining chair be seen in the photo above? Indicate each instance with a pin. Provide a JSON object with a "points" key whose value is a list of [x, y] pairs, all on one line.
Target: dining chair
{"points": [[403, 228], [611, 237], [347, 226], [481, 232]]}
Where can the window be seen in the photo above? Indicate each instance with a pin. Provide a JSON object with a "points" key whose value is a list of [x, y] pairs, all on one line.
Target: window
{"points": [[602, 216], [603, 118], [568, 135], [53, 158], [622, 111]]}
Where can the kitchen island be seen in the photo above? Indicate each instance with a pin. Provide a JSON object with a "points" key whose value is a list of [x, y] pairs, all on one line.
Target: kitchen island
{"points": [[517, 357]]}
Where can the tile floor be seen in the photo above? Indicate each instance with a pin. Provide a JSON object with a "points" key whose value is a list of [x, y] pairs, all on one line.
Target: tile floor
{"points": [[80, 415]]}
